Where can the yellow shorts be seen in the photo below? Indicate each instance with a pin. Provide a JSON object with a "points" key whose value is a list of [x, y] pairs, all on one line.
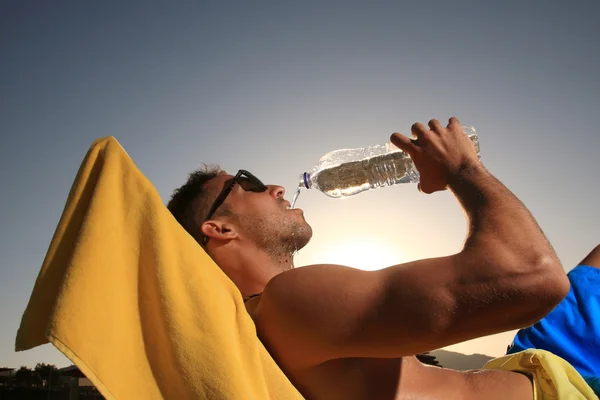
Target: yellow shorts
{"points": [[553, 377]]}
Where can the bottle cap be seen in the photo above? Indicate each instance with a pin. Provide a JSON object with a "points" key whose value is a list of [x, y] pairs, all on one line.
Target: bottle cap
{"points": [[305, 180]]}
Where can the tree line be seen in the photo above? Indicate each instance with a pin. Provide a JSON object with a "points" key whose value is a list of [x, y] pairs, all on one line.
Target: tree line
{"points": [[42, 375]]}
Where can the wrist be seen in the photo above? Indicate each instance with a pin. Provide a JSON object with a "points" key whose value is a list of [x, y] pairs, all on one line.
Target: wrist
{"points": [[471, 172]]}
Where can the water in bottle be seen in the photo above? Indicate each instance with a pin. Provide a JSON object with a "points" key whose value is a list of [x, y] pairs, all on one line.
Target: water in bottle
{"points": [[346, 172]]}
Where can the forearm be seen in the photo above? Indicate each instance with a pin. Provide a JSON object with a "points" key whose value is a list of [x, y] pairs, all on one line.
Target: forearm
{"points": [[498, 222], [505, 251]]}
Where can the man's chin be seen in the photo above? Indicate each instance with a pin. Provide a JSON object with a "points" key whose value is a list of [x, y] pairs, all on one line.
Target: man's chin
{"points": [[303, 237]]}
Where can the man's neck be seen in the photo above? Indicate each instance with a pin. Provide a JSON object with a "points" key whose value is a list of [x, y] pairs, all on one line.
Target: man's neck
{"points": [[251, 268]]}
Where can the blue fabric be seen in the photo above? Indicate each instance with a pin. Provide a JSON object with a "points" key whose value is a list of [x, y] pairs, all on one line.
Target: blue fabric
{"points": [[572, 329]]}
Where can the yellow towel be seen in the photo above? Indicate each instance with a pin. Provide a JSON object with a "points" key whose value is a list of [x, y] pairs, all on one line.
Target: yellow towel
{"points": [[553, 377], [136, 304]]}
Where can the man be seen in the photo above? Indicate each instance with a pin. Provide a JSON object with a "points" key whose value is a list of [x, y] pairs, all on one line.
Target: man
{"points": [[343, 333], [572, 329]]}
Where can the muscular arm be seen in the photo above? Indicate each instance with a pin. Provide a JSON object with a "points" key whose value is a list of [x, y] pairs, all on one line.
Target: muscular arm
{"points": [[592, 259], [506, 276]]}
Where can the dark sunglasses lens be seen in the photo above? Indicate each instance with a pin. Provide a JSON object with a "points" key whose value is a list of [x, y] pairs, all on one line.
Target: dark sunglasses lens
{"points": [[251, 184]]}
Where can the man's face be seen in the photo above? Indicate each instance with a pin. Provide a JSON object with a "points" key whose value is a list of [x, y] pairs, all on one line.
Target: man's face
{"points": [[264, 217]]}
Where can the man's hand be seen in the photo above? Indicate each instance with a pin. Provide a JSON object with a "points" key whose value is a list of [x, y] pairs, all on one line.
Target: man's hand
{"points": [[438, 153]]}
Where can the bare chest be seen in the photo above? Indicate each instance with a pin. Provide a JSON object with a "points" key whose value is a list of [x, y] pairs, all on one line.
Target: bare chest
{"points": [[406, 379]]}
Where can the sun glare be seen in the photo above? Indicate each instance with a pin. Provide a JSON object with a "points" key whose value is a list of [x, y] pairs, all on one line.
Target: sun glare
{"points": [[367, 255]]}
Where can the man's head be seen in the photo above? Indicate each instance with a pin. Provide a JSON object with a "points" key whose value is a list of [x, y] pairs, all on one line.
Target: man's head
{"points": [[190, 202], [243, 211]]}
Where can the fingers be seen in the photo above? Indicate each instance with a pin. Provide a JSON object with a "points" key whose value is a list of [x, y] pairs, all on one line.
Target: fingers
{"points": [[435, 125], [453, 123], [403, 143], [418, 129], [422, 132], [422, 135]]}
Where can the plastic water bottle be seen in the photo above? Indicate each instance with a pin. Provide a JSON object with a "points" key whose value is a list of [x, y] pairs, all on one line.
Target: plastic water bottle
{"points": [[346, 172]]}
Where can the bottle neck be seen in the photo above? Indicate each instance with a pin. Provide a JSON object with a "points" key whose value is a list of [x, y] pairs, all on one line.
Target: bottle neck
{"points": [[305, 180]]}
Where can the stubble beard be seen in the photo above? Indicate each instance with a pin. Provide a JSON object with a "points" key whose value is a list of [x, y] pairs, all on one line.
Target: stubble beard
{"points": [[280, 236]]}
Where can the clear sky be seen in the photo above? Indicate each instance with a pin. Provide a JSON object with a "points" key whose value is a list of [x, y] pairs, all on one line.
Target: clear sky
{"points": [[271, 87]]}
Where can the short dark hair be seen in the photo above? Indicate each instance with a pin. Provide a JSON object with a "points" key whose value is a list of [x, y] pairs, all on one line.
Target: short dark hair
{"points": [[189, 203]]}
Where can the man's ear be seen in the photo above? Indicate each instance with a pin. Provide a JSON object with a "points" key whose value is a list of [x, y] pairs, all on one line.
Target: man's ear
{"points": [[218, 230]]}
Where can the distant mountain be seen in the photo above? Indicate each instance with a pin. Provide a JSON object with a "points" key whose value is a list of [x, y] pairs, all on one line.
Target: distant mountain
{"points": [[428, 359], [450, 359]]}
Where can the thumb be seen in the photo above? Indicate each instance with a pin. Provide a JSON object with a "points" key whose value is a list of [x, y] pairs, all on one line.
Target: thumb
{"points": [[403, 143]]}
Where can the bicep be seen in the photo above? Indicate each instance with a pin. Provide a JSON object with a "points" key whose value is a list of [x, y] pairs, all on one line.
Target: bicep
{"points": [[318, 313]]}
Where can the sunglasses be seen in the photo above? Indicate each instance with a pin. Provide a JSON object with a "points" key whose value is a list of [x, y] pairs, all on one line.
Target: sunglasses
{"points": [[246, 180]]}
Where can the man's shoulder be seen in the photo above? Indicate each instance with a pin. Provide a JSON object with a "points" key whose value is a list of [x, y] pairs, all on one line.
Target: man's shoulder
{"points": [[313, 271], [304, 310], [316, 296], [302, 284]]}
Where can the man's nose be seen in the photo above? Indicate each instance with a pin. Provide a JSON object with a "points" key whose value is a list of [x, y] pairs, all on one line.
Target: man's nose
{"points": [[276, 191]]}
